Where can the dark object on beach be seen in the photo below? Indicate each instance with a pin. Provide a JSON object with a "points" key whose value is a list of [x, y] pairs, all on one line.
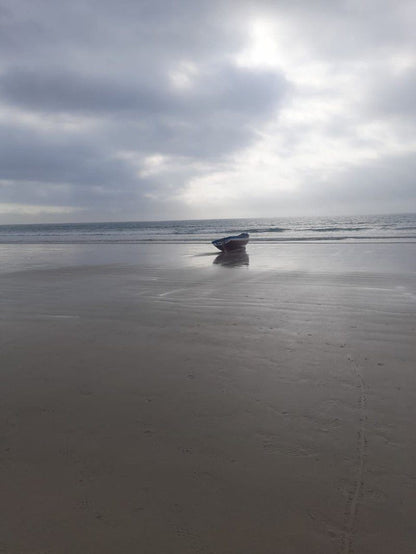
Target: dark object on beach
{"points": [[231, 243]]}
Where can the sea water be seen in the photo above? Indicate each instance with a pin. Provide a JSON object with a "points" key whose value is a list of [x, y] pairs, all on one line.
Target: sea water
{"points": [[400, 227]]}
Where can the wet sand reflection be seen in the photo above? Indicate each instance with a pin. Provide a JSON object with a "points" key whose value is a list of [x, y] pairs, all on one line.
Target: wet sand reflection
{"points": [[235, 258]]}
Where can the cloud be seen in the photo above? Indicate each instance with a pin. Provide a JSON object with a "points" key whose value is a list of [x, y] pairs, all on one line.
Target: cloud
{"points": [[47, 159], [220, 89], [158, 109], [394, 95]]}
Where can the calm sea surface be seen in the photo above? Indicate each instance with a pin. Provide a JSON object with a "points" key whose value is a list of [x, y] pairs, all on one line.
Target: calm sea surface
{"points": [[383, 227]]}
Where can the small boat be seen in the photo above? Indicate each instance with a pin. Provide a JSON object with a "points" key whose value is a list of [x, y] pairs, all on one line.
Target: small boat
{"points": [[231, 243]]}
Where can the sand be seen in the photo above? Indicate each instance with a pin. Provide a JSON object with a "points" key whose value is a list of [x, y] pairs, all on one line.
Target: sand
{"points": [[160, 399]]}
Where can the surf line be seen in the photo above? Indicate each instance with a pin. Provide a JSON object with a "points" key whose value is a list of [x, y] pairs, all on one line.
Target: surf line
{"points": [[354, 497]]}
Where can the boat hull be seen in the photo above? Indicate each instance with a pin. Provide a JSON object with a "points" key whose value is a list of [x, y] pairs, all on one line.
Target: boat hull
{"points": [[228, 244]]}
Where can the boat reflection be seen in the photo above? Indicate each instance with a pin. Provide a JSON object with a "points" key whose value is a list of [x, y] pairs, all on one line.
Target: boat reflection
{"points": [[235, 258]]}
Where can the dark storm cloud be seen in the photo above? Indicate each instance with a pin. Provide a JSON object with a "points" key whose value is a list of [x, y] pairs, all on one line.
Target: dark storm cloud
{"points": [[121, 38], [31, 156], [58, 91], [211, 119], [223, 89], [39, 169]]}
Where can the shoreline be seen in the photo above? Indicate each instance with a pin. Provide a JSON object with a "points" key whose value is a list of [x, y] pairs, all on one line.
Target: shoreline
{"points": [[207, 242]]}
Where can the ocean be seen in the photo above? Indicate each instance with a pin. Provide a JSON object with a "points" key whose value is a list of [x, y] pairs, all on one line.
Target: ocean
{"points": [[400, 227]]}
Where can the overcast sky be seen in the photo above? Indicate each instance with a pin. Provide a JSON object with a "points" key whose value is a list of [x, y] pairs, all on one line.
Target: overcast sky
{"points": [[161, 109]]}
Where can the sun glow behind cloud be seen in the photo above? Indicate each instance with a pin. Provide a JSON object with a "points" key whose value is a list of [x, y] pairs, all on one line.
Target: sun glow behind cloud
{"points": [[262, 49], [315, 137]]}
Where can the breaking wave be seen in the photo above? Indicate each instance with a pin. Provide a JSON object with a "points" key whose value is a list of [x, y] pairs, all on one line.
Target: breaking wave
{"points": [[332, 229]]}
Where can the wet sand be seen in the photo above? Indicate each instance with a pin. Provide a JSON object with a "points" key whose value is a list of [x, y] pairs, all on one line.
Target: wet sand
{"points": [[162, 399]]}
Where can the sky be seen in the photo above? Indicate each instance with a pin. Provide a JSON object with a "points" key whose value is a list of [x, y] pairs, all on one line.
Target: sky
{"points": [[159, 109]]}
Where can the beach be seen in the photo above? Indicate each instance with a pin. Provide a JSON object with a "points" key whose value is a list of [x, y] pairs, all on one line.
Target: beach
{"points": [[164, 398]]}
